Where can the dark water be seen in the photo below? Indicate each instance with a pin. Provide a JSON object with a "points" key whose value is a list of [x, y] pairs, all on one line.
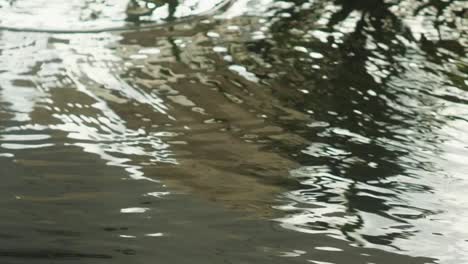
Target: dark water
{"points": [[251, 131]]}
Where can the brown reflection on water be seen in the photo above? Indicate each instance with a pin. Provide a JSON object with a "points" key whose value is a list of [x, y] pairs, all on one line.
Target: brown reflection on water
{"points": [[224, 128]]}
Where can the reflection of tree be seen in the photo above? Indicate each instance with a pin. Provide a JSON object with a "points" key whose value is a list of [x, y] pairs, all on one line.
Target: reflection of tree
{"points": [[172, 6], [378, 11], [444, 15], [139, 8], [357, 96]]}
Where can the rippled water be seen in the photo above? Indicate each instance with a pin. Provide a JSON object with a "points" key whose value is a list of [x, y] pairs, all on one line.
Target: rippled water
{"points": [[251, 131]]}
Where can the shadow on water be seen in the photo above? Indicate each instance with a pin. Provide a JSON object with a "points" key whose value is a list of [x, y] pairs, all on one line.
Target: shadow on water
{"points": [[344, 121]]}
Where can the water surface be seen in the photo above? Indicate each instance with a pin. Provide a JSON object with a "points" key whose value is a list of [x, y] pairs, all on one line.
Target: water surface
{"points": [[234, 132]]}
